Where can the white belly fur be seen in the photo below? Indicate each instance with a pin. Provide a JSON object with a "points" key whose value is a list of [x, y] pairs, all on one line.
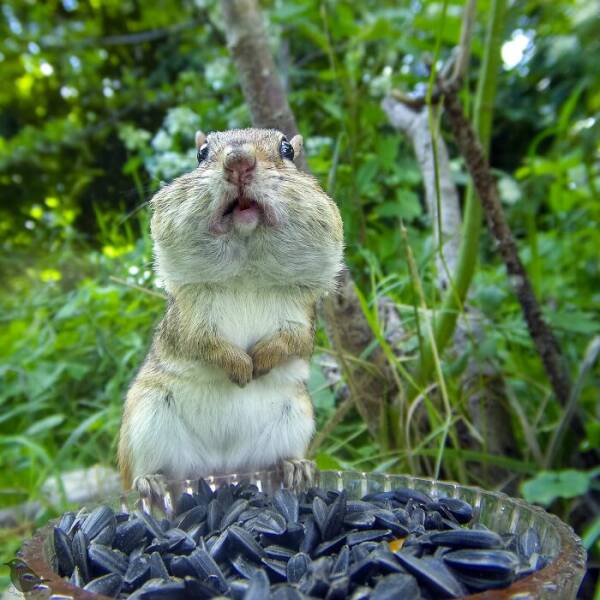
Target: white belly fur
{"points": [[210, 425]]}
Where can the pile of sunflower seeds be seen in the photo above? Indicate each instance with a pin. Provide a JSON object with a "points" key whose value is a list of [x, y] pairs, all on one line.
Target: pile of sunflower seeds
{"points": [[238, 542]]}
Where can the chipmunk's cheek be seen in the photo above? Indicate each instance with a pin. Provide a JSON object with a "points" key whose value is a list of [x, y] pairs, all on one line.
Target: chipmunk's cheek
{"points": [[220, 224], [273, 216]]}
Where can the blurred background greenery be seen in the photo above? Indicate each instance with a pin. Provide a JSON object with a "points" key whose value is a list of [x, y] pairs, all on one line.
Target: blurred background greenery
{"points": [[99, 105]]}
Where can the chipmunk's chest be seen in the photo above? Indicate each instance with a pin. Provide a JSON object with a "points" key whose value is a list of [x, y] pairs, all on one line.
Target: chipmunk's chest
{"points": [[243, 317]]}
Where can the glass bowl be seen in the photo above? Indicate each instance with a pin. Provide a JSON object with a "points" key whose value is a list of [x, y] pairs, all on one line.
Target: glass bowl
{"points": [[560, 579]]}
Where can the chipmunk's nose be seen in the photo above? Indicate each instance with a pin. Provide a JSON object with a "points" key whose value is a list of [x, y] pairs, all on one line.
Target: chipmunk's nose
{"points": [[239, 164]]}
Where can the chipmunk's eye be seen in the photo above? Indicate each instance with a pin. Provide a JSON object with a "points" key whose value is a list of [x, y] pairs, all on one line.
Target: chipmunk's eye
{"points": [[286, 150], [202, 153]]}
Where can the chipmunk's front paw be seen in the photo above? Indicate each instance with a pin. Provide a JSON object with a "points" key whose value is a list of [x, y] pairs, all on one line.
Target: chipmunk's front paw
{"points": [[152, 487], [240, 370], [268, 354], [298, 474]]}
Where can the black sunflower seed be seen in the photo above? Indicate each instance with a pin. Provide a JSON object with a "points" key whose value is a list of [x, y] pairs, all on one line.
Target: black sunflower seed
{"points": [[335, 517], [214, 514], [97, 520], [205, 567], [64, 552], [433, 573], [297, 566], [107, 535], [181, 566], [195, 588], [329, 546], [359, 520], [80, 557], [270, 522], [259, 587], [370, 535], [466, 538], [66, 521], [461, 510], [244, 567], [137, 572], [338, 589], [107, 585], [245, 543], [158, 569], [219, 547], [398, 585], [320, 511], [286, 502], [152, 526], [204, 494], [191, 518], [129, 535], [499, 562], [342, 563], [107, 560], [276, 569], [279, 552], [185, 502], [235, 510]]}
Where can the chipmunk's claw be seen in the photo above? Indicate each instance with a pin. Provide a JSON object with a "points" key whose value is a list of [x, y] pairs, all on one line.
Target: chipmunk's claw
{"points": [[152, 487], [298, 474]]}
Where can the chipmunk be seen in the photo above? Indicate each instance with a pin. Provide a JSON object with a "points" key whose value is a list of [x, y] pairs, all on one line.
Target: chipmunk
{"points": [[246, 244]]}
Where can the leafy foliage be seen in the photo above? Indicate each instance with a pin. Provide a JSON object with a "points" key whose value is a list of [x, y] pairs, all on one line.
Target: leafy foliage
{"points": [[106, 98], [547, 486]]}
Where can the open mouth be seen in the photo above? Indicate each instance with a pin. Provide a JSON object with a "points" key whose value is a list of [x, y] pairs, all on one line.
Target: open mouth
{"points": [[240, 205], [242, 213]]}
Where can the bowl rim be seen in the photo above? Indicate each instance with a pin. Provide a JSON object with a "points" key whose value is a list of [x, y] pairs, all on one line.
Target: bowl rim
{"points": [[570, 560]]}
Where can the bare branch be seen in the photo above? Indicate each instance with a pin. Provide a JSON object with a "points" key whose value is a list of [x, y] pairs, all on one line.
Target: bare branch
{"points": [[479, 169]]}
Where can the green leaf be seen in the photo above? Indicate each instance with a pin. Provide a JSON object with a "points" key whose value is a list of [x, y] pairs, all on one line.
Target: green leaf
{"points": [[327, 462], [45, 424], [547, 486], [575, 321], [320, 389], [406, 207], [409, 201], [366, 174]]}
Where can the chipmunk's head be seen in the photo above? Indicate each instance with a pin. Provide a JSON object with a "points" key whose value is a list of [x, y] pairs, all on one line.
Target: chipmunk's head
{"points": [[247, 211]]}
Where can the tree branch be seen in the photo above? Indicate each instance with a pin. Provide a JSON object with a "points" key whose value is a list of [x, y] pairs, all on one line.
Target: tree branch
{"points": [[484, 183]]}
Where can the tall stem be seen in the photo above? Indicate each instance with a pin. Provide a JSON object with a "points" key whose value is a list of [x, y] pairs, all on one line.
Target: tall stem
{"points": [[469, 248]]}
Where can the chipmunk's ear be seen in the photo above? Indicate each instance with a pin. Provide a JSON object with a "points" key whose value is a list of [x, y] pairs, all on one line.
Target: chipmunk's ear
{"points": [[200, 139], [297, 143]]}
